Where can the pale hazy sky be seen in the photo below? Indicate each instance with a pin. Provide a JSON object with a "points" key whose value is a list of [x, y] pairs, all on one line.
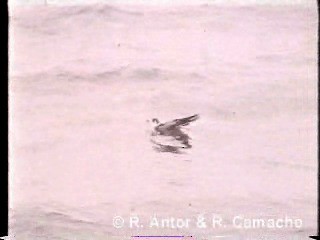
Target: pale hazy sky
{"points": [[237, 2]]}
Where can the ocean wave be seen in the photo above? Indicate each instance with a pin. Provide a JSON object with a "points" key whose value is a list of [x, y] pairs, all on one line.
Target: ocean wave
{"points": [[123, 73], [60, 13]]}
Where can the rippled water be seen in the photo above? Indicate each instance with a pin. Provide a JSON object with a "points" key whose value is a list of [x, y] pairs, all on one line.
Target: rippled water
{"points": [[85, 80]]}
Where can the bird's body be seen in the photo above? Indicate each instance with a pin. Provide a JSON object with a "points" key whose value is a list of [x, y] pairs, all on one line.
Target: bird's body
{"points": [[173, 129]]}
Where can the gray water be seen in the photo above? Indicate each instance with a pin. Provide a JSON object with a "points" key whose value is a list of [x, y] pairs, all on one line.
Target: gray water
{"points": [[84, 80]]}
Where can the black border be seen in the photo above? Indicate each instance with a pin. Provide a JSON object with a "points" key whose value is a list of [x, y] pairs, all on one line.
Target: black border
{"points": [[318, 139], [318, 155], [4, 114]]}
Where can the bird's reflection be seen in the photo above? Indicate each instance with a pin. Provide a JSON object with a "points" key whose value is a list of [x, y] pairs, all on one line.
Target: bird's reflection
{"points": [[178, 139], [169, 148]]}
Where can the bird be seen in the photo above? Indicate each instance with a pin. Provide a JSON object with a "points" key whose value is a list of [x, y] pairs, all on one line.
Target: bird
{"points": [[173, 129]]}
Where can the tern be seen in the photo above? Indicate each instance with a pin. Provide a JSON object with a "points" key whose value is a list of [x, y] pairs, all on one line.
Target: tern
{"points": [[173, 128]]}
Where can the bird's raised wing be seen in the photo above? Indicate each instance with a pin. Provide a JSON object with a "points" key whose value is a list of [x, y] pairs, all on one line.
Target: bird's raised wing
{"points": [[186, 121], [179, 122]]}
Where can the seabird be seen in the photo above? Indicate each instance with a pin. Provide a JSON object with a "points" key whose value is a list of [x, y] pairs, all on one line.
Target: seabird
{"points": [[173, 128]]}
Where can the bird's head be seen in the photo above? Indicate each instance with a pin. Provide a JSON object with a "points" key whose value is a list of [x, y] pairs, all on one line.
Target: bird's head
{"points": [[155, 120]]}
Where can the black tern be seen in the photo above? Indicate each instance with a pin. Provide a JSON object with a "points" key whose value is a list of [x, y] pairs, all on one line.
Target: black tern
{"points": [[173, 129]]}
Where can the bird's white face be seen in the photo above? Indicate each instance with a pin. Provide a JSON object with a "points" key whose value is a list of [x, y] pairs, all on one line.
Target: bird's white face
{"points": [[152, 123]]}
